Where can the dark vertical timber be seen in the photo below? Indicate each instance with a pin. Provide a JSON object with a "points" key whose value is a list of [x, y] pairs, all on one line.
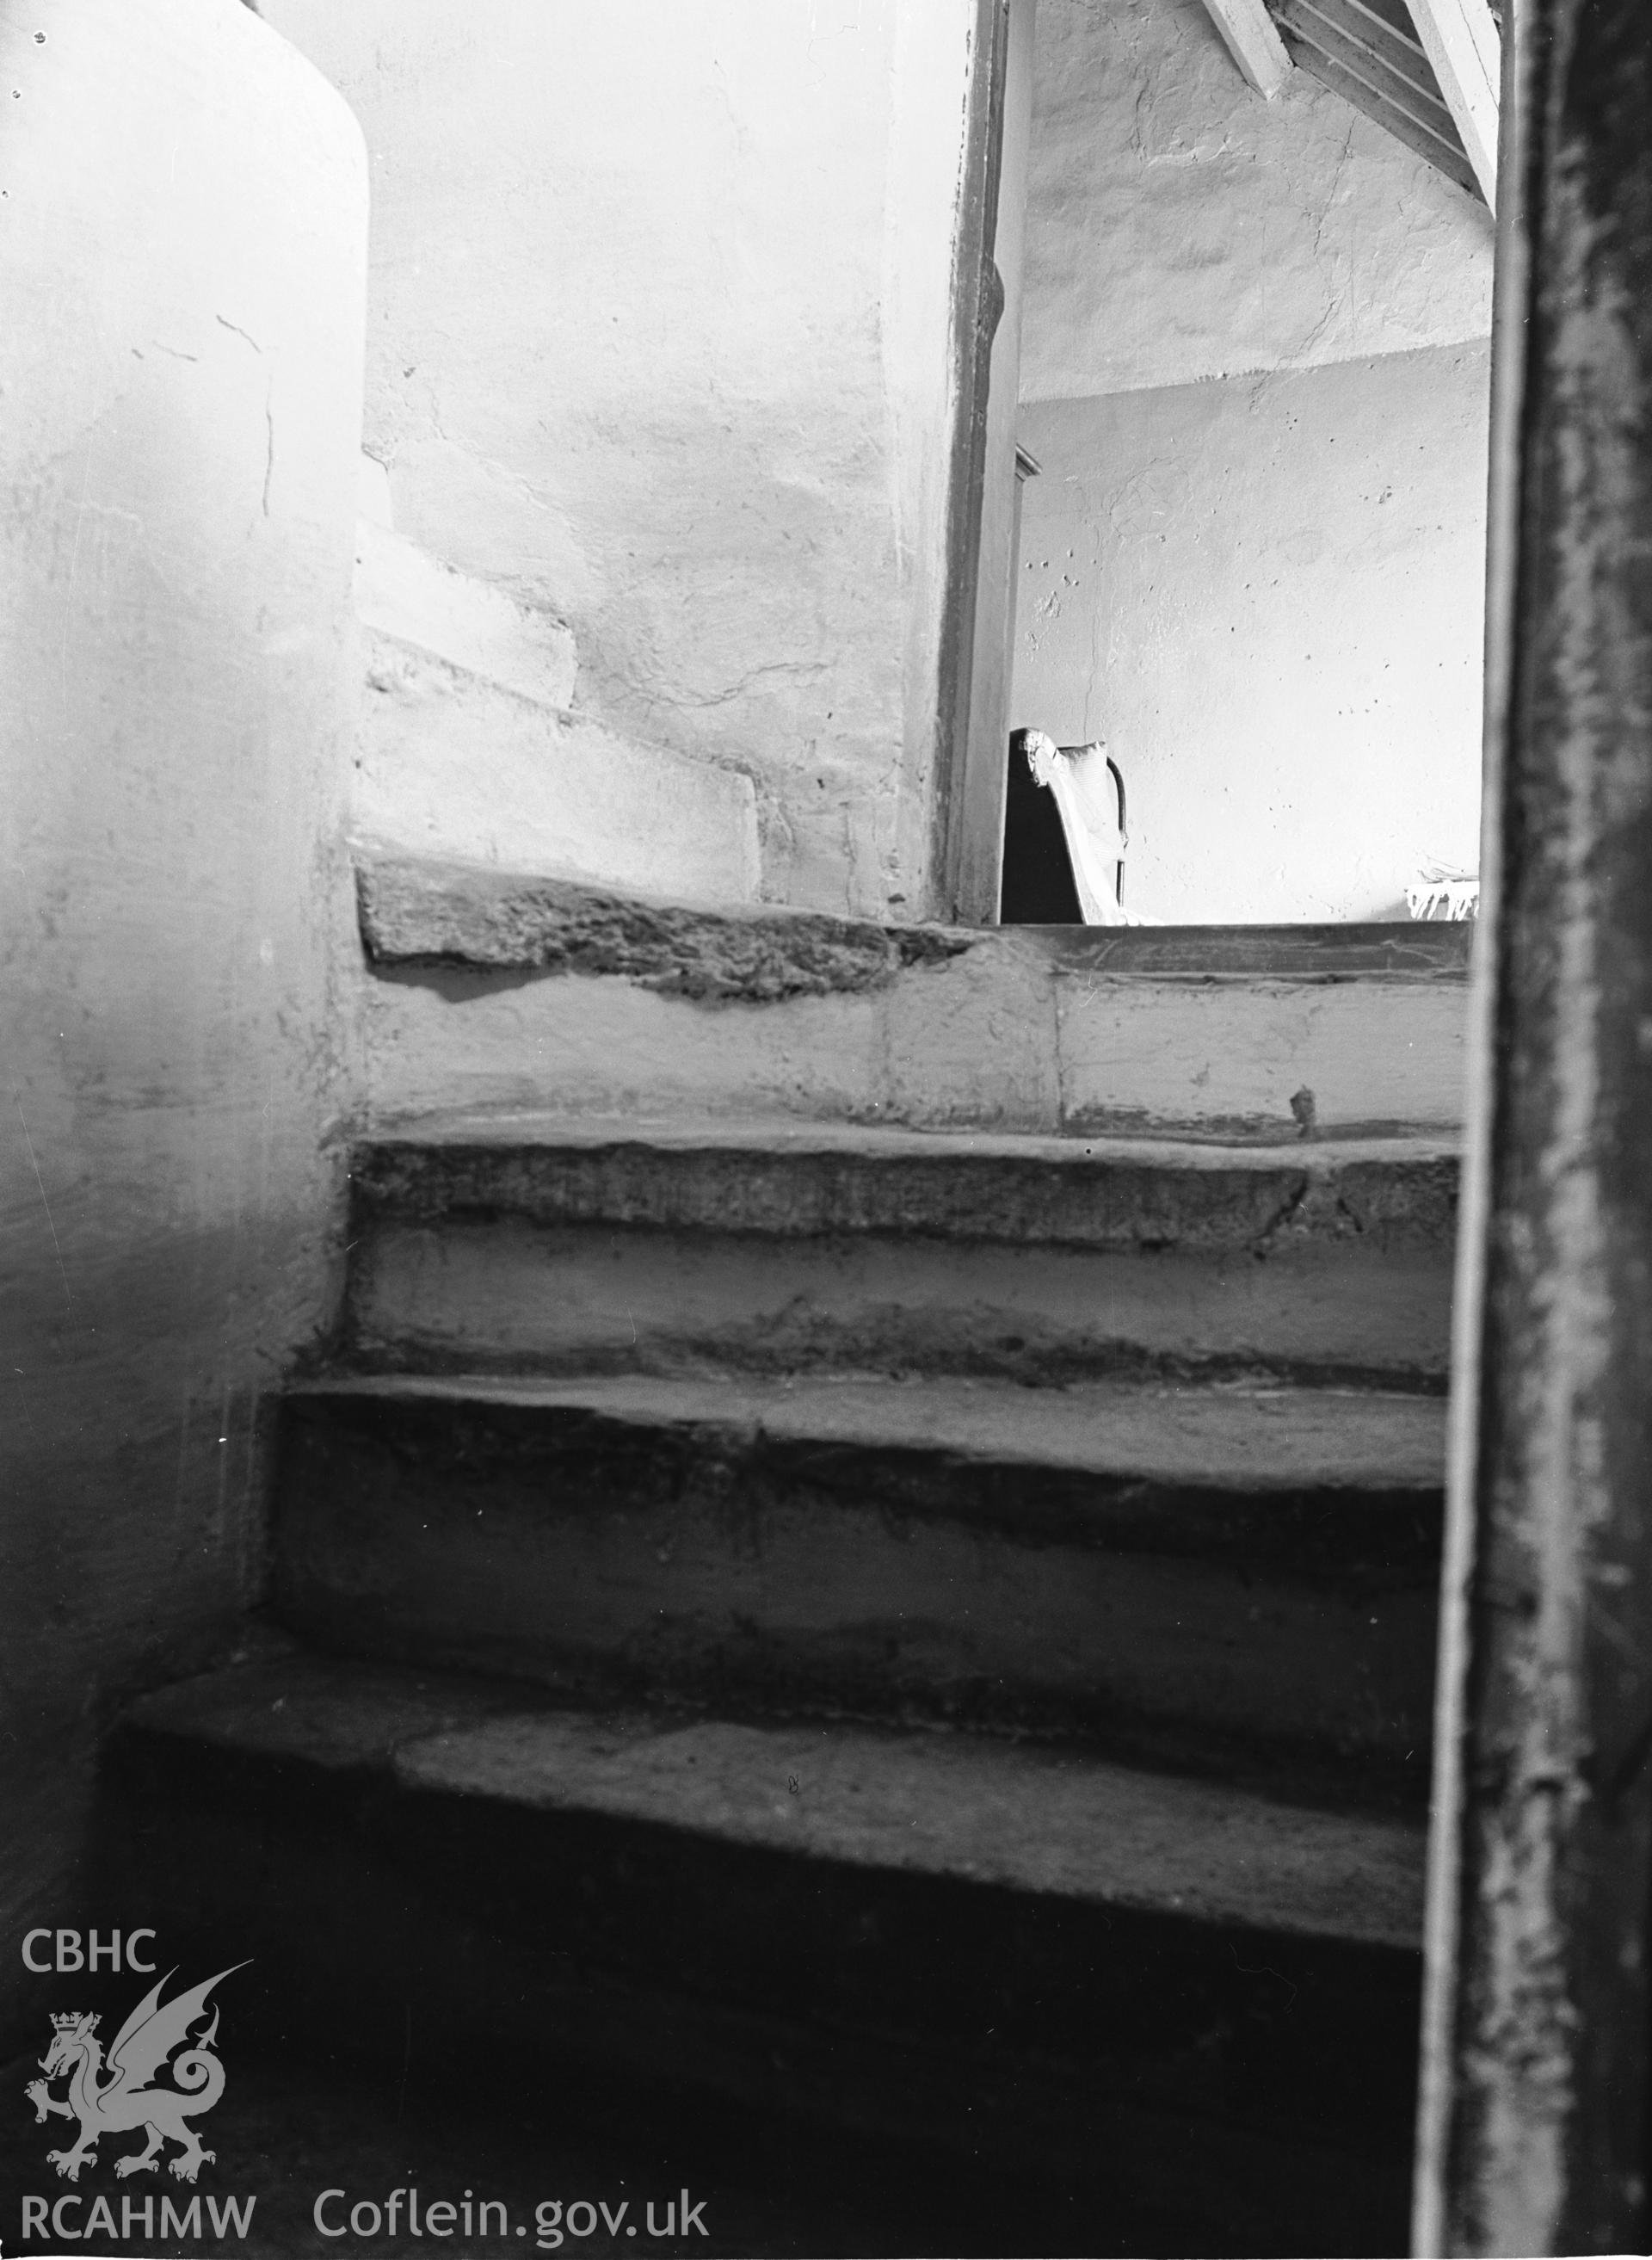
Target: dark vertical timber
{"points": [[978, 805], [978, 298], [1534, 2129]]}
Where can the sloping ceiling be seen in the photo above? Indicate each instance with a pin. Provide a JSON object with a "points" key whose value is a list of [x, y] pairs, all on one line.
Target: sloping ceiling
{"points": [[1367, 51]]}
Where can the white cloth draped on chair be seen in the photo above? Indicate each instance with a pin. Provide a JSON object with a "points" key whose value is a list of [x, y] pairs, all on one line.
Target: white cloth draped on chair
{"points": [[1087, 799]]}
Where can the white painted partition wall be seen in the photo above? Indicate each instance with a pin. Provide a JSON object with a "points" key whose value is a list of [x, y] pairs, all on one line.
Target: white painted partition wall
{"points": [[182, 268]]}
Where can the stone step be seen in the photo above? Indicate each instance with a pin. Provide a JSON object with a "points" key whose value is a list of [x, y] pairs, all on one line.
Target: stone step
{"points": [[1246, 1576], [931, 1933], [467, 746], [521, 1244], [450, 763], [499, 990], [408, 597]]}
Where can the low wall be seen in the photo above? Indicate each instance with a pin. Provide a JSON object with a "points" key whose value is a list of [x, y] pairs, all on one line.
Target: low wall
{"points": [[183, 267]]}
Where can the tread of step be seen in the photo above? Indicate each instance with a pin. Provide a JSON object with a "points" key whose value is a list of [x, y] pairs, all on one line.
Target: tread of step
{"points": [[1239, 1578], [531, 1129], [422, 909], [1051, 1824], [784, 1178], [1239, 1440], [929, 1937]]}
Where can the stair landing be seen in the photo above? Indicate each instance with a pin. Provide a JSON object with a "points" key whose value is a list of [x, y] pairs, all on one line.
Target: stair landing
{"points": [[496, 990]]}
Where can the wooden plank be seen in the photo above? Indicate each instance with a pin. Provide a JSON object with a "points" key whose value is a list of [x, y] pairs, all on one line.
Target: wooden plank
{"points": [[1354, 90], [1249, 33], [1407, 120], [1464, 48], [1533, 2126], [1368, 36], [1418, 98], [1391, 17]]}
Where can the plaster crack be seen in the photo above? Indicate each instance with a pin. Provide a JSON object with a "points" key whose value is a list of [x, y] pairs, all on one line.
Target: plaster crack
{"points": [[1059, 1066], [501, 472], [56, 1243], [239, 332], [1289, 1216], [802, 670], [1336, 181], [23, 1398], [1333, 298]]}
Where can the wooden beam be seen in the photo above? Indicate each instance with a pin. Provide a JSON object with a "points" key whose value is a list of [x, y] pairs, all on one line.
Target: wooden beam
{"points": [[1253, 43], [1461, 40]]}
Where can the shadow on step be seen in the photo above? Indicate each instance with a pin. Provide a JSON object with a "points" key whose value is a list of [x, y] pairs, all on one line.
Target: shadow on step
{"points": [[545, 2140], [843, 2061]]}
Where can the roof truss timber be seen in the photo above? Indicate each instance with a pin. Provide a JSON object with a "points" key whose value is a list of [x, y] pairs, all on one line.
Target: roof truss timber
{"points": [[1427, 70], [1368, 51], [1466, 53], [1253, 42]]}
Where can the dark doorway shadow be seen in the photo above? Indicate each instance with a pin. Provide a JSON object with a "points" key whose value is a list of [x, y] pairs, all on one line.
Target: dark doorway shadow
{"points": [[1038, 886]]}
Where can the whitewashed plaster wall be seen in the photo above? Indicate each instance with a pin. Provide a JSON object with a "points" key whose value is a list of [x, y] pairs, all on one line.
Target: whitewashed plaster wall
{"points": [[1264, 590], [183, 261], [658, 340], [1266, 596], [1179, 227]]}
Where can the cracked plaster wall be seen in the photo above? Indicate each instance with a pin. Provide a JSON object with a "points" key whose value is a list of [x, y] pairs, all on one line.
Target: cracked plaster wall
{"points": [[658, 338], [1254, 376], [184, 268], [1181, 227]]}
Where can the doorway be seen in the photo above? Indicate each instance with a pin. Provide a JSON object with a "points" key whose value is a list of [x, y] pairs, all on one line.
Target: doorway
{"points": [[1249, 342]]}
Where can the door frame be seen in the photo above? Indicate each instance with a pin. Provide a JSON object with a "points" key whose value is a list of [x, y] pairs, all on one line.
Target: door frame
{"points": [[966, 810]]}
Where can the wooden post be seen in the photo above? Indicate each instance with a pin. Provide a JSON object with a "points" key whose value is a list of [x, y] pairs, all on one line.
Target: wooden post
{"points": [[968, 833], [1535, 2118]]}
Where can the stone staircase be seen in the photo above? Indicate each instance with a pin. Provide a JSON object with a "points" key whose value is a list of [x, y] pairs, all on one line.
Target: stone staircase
{"points": [[471, 740], [929, 1630]]}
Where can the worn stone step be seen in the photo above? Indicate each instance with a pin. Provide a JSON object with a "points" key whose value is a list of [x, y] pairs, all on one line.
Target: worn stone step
{"points": [[959, 1939], [407, 597], [451, 763], [1246, 1575], [497, 989], [522, 1243]]}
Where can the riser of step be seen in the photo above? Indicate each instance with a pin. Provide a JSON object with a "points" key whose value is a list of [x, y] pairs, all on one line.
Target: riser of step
{"points": [[516, 1297], [1036, 1259], [1124, 1956], [797, 1182], [1253, 1579], [1014, 1032]]}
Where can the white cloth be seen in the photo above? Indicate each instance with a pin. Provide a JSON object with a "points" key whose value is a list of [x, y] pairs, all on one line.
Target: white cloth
{"points": [[1444, 891], [1087, 799]]}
